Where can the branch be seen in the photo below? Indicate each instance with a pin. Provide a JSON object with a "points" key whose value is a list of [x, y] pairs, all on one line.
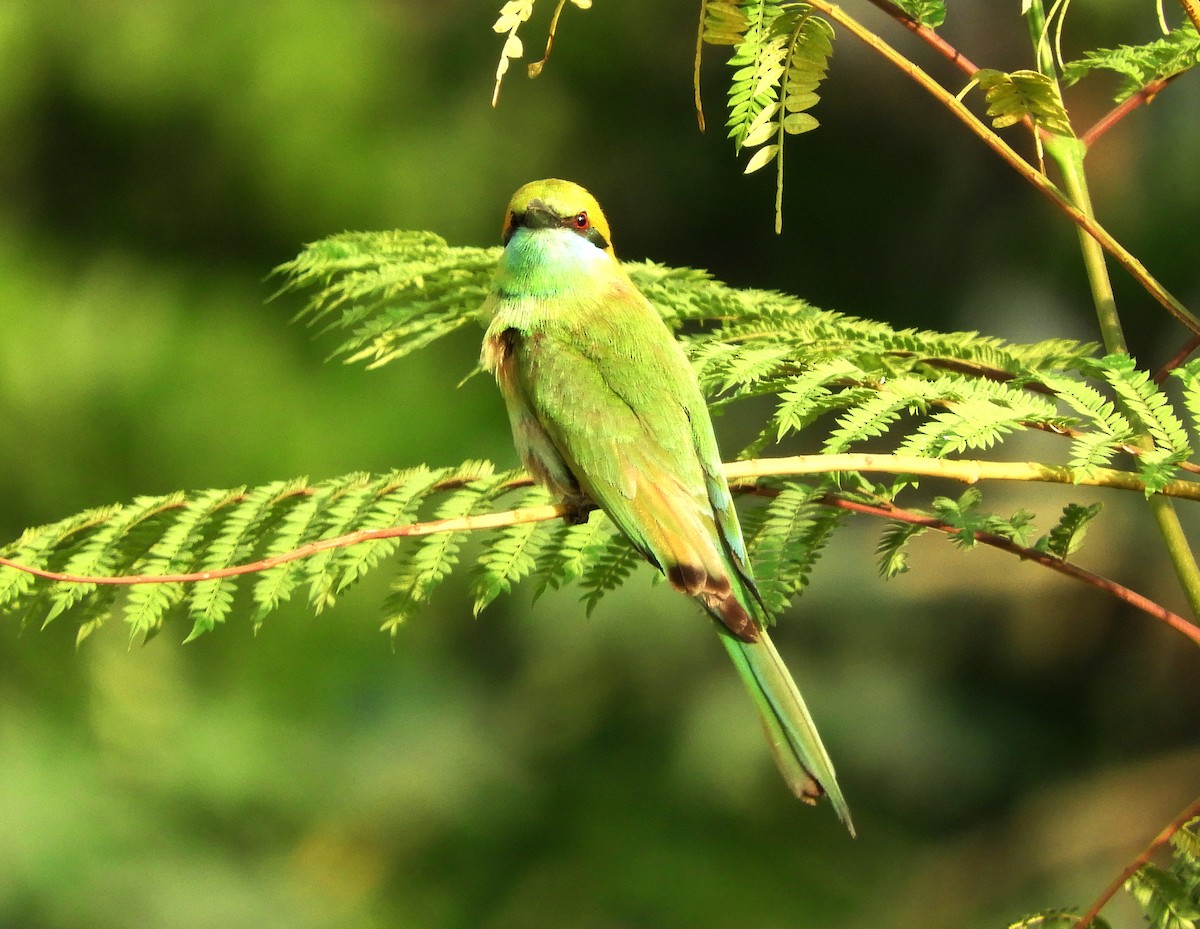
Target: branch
{"points": [[966, 471], [1181, 356], [1192, 8], [1123, 109], [1035, 177], [1189, 812], [969, 472], [1070, 569], [931, 38], [498, 520]]}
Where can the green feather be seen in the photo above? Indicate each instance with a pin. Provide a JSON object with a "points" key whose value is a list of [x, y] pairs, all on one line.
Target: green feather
{"points": [[605, 408]]}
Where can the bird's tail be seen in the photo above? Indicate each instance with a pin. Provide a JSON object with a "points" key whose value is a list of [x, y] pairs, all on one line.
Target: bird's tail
{"points": [[793, 737]]}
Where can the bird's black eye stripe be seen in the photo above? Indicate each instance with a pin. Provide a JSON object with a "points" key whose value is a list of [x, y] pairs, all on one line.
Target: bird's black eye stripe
{"points": [[593, 235], [537, 219], [515, 221]]}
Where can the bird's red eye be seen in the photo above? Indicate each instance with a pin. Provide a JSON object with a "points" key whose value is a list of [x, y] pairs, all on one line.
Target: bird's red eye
{"points": [[581, 220]]}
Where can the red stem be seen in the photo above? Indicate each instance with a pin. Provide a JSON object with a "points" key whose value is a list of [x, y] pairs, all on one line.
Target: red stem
{"points": [[929, 37], [1123, 109], [1189, 812], [539, 513], [1177, 359], [1132, 597]]}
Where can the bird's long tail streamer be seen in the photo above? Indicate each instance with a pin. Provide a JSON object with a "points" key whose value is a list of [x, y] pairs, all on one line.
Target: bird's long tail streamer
{"points": [[798, 750]]}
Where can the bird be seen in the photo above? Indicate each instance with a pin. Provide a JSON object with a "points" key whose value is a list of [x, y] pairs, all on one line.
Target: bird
{"points": [[606, 412]]}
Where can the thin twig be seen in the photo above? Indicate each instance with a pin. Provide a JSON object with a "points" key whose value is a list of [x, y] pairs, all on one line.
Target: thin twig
{"points": [[1190, 812], [966, 471], [930, 38], [1192, 8], [1068, 568], [1177, 359], [696, 65], [1031, 174], [535, 68], [1124, 108]]}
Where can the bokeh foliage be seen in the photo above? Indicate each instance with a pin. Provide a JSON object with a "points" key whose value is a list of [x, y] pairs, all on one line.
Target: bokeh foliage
{"points": [[160, 158]]}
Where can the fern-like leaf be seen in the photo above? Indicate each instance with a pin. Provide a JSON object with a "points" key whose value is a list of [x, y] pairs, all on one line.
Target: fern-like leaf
{"points": [[758, 64], [1067, 535], [569, 551], [177, 551], [611, 563], [1057, 919], [510, 554], [892, 550], [1143, 400], [788, 541], [432, 559], [1011, 97], [1139, 65], [931, 13], [962, 514], [1189, 377], [275, 586], [394, 292], [1187, 849], [1164, 898], [209, 601], [1108, 430], [805, 398]]}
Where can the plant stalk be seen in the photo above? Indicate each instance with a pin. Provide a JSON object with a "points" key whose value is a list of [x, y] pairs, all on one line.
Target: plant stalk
{"points": [[1035, 177], [1068, 154]]}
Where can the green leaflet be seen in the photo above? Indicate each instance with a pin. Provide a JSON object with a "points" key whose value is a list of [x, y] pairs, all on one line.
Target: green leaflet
{"points": [[892, 550], [842, 383], [723, 22], [1166, 898], [1067, 535], [510, 554], [966, 516], [931, 13], [786, 541], [1057, 919], [780, 59], [1139, 65], [1011, 97]]}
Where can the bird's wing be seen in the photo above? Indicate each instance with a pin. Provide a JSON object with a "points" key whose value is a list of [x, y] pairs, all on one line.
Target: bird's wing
{"points": [[615, 394]]}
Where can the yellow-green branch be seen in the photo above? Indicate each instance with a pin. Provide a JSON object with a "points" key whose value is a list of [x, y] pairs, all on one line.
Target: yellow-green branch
{"points": [[966, 471], [740, 472], [1019, 164], [969, 472]]}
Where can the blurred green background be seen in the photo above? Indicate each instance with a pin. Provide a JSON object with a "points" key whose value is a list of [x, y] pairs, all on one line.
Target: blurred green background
{"points": [[1007, 740]]}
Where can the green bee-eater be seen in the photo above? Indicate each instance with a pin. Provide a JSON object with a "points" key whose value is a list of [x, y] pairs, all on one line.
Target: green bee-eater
{"points": [[605, 409]]}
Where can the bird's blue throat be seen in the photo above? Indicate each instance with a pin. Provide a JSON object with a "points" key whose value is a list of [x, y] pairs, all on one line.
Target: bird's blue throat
{"points": [[548, 262]]}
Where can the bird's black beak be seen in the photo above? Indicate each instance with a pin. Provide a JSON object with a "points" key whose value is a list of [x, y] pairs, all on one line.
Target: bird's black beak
{"points": [[536, 216]]}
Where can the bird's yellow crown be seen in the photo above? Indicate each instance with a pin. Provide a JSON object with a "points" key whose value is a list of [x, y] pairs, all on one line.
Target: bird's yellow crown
{"points": [[548, 202]]}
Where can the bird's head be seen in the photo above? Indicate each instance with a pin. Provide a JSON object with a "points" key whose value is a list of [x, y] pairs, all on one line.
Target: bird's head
{"points": [[555, 204]]}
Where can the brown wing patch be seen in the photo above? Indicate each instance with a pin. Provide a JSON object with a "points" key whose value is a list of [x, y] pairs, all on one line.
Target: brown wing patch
{"points": [[497, 352], [732, 614], [685, 546], [715, 592], [690, 579]]}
